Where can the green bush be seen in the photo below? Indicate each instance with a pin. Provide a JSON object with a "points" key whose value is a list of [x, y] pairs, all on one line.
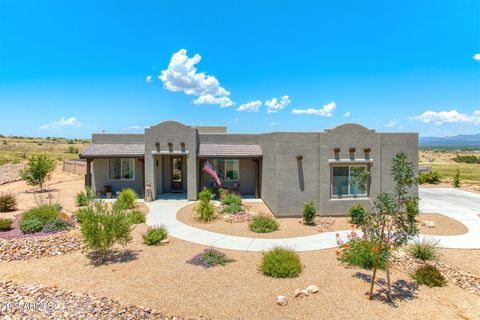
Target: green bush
{"points": [[424, 249], [467, 159], [84, 197], [263, 224], [430, 276], [57, 225], [309, 212], [136, 217], [5, 224], [44, 213], [102, 228], [38, 170], [429, 177], [357, 214], [205, 194], [361, 253], [231, 199], [232, 209], [210, 258], [79, 214], [155, 235], [31, 226], [281, 263], [204, 211], [456, 179], [8, 201], [126, 199]]}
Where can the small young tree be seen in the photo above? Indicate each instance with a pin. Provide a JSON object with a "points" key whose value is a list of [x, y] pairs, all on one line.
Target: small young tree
{"points": [[38, 170], [392, 223], [456, 179]]}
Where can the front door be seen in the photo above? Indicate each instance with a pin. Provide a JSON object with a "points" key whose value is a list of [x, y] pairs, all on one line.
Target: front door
{"points": [[177, 174]]}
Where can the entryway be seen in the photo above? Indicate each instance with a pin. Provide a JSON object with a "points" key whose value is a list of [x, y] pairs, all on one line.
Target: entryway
{"points": [[176, 175]]}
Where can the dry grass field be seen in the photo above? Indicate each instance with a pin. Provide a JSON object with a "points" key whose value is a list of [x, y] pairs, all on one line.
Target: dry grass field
{"points": [[18, 149]]}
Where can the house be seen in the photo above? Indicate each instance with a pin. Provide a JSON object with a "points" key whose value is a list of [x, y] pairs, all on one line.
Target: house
{"points": [[285, 169]]}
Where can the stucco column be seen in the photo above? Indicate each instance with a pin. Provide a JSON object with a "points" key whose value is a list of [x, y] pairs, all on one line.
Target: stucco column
{"points": [[192, 182], [88, 173], [150, 173]]}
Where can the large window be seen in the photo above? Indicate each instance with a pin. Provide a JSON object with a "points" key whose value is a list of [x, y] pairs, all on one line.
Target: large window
{"points": [[342, 184], [121, 169], [227, 170]]}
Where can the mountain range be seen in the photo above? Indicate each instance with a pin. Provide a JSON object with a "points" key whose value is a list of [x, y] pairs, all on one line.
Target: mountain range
{"points": [[461, 141]]}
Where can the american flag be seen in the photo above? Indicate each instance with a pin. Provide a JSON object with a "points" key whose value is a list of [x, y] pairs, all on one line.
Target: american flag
{"points": [[208, 168]]}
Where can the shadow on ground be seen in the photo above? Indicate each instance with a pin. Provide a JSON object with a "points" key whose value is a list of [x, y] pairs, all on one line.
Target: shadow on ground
{"points": [[401, 289], [115, 256]]}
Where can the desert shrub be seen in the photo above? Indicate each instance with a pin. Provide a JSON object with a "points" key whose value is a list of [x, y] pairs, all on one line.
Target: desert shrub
{"points": [[155, 235], [135, 217], [102, 228], [456, 179], [205, 194], [44, 213], [429, 177], [281, 263], [72, 150], [210, 258], [5, 224], [204, 210], [467, 159], [430, 276], [231, 199], [309, 212], [126, 199], [38, 170], [361, 252], [79, 214], [263, 224], [8, 201], [424, 249], [57, 206], [411, 206], [56, 225], [83, 198], [31, 226], [357, 214], [232, 209]]}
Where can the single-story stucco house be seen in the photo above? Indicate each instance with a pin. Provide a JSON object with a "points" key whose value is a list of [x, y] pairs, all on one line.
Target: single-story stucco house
{"points": [[285, 169]]}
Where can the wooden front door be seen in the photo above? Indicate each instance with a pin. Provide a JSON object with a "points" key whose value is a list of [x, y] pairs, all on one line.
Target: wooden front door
{"points": [[176, 174]]}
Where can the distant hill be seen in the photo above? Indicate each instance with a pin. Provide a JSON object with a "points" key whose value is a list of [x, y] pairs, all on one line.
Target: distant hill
{"points": [[468, 141]]}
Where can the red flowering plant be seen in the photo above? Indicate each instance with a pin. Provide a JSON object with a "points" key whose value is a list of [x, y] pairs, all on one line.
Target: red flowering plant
{"points": [[358, 250]]}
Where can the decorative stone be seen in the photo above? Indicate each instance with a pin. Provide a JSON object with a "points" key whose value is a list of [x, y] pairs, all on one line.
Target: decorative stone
{"points": [[428, 223], [312, 288], [304, 293], [226, 217], [282, 300], [297, 293], [164, 241]]}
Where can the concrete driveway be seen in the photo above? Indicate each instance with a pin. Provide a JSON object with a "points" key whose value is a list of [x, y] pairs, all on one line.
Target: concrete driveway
{"points": [[459, 205]]}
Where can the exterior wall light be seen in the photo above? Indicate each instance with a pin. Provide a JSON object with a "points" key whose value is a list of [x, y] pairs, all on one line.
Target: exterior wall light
{"points": [[367, 150], [299, 157], [352, 150], [336, 150]]}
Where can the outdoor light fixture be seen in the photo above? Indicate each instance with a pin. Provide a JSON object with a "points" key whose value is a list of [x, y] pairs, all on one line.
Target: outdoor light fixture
{"points": [[299, 157], [182, 144], [157, 144], [367, 150], [336, 150], [352, 150]]}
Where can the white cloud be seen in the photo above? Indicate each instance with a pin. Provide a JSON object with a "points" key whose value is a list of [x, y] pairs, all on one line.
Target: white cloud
{"points": [[276, 105], [326, 111], [452, 116], [181, 75], [250, 106], [347, 114], [149, 78], [476, 56], [63, 122], [391, 124], [274, 123]]}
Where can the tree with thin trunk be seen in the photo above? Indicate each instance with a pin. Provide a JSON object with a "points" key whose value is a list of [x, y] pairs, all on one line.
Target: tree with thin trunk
{"points": [[392, 222], [38, 170]]}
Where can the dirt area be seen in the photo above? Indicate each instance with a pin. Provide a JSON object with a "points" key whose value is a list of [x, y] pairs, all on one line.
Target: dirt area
{"points": [[444, 226], [289, 227], [466, 260], [160, 278]]}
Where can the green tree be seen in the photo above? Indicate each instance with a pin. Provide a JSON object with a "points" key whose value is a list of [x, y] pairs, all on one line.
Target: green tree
{"points": [[38, 170], [392, 223], [456, 179]]}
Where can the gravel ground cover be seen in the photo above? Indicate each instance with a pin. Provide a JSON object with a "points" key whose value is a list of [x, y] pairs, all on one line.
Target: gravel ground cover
{"points": [[9, 172], [159, 278]]}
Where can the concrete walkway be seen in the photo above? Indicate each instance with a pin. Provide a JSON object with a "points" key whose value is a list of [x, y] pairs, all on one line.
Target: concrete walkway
{"points": [[463, 206]]}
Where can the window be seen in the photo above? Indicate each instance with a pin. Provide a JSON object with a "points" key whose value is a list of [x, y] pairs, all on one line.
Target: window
{"points": [[341, 183], [227, 170], [121, 169]]}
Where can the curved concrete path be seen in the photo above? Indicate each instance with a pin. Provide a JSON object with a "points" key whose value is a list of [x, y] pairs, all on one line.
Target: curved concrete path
{"points": [[460, 205]]}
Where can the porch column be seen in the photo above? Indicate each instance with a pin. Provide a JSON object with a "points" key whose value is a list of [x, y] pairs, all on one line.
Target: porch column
{"points": [[88, 174]]}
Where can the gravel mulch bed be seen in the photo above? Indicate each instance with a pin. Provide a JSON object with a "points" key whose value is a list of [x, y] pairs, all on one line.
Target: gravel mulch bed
{"points": [[9, 172], [463, 279], [444, 226], [20, 301], [40, 246]]}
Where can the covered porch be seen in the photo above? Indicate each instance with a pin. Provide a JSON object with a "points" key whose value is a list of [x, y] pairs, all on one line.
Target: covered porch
{"points": [[238, 167]]}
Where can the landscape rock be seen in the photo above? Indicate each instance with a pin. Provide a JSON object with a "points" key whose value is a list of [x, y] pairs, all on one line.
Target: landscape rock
{"points": [[9, 172], [428, 223], [164, 241], [312, 288], [282, 300]]}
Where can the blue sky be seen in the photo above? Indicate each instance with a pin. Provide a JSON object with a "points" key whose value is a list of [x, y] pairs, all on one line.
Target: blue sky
{"points": [[69, 68]]}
